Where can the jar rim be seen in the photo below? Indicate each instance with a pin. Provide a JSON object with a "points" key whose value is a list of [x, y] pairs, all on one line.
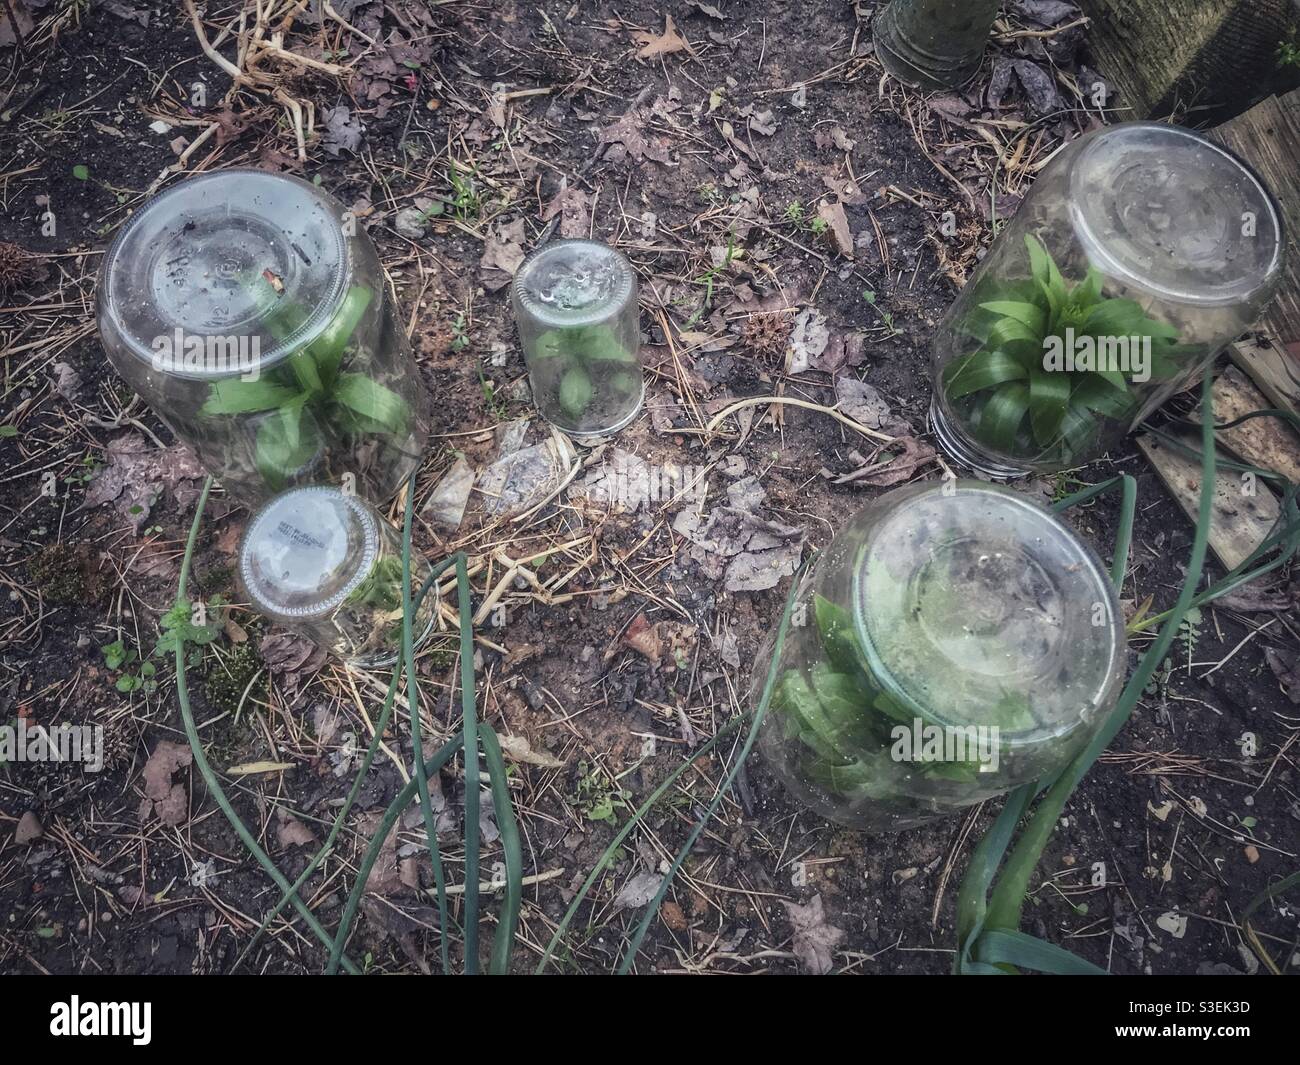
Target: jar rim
{"points": [[1100, 254], [885, 663], [526, 300], [356, 509], [340, 270]]}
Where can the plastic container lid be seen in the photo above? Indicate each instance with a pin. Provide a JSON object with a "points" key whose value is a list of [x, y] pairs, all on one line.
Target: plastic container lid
{"points": [[1175, 214], [574, 282], [977, 607], [306, 551], [198, 261]]}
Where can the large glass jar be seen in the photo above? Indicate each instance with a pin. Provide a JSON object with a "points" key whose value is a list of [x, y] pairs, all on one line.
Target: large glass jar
{"points": [[250, 311], [1140, 252], [575, 303], [953, 641], [321, 562]]}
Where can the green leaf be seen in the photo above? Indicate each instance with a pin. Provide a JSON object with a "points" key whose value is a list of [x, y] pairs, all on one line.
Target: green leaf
{"points": [[576, 391], [979, 371], [81, 172], [1001, 946], [1038, 260], [328, 348], [1027, 314], [1049, 396], [305, 371], [7, 431], [245, 397], [285, 443], [372, 401], [1001, 416], [1016, 336], [835, 627], [1098, 394]]}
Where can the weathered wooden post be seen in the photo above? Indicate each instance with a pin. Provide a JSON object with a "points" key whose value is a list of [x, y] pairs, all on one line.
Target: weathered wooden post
{"points": [[934, 44]]}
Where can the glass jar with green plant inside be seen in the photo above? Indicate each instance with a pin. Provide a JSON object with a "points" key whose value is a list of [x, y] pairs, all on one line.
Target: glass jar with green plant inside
{"points": [[1141, 251], [323, 563], [575, 303], [953, 641], [249, 309]]}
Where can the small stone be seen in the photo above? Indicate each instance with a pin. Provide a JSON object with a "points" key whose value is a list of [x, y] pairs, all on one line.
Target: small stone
{"points": [[1252, 853]]}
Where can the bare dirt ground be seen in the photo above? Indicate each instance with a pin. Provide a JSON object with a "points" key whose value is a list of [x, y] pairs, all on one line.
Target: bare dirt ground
{"points": [[782, 204]]}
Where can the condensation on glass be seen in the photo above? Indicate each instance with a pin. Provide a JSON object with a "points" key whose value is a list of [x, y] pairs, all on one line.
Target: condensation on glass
{"points": [[249, 310], [327, 565], [575, 303], [955, 640], [1141, 251]]}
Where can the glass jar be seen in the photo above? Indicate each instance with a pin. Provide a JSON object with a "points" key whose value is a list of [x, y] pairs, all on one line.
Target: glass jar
{"points": [[1141, 251], [575, 303], [955, 640], [933, 44], [250, 311], [321, 562]]}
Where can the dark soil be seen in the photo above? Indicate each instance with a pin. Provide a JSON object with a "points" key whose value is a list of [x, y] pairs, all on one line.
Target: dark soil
{"points": [[109, 887]]}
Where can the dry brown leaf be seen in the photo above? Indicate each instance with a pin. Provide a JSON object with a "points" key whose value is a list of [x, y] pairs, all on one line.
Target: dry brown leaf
{"points": [[168, 800], [814, 940], [518, 749], [833, 215], [291, 832], [665, 43]]}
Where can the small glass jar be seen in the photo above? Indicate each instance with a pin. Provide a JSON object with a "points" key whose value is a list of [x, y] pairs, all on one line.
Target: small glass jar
{"points": [[250, 311], [321, 562], [1141, 251], [575, 303], [955, 640]]}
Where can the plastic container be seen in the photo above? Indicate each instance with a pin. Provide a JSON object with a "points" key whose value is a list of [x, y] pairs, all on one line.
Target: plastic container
{"points": [[328, 566], [575, 303], [1139, 253], [251, 313], [955, 640]]}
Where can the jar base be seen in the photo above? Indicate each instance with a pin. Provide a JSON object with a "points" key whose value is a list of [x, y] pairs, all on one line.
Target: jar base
{"points": [[960, 449], [384, 660], [609, 430]]}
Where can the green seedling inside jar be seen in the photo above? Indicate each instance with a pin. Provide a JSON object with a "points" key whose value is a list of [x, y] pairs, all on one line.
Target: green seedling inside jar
{"points": [[576, 308], [943, 648], [310, 393], [588, 358], [1024, 393]]}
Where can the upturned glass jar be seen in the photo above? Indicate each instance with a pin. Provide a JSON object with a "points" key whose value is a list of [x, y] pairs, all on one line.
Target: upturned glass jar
{"points": [[250, 311], [575, 303], [323, 563], [955, 640], [1139, 253]]}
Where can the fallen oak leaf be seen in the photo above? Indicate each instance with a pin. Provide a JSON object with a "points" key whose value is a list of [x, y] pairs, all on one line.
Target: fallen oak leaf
{"points": [[814, 940], [666, 43]]}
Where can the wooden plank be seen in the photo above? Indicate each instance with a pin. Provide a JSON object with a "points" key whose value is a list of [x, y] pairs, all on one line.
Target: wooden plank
{"points": [[1199, 60], [1274, 369], [1268, 138], [1265, 442], [1239, 521]]}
